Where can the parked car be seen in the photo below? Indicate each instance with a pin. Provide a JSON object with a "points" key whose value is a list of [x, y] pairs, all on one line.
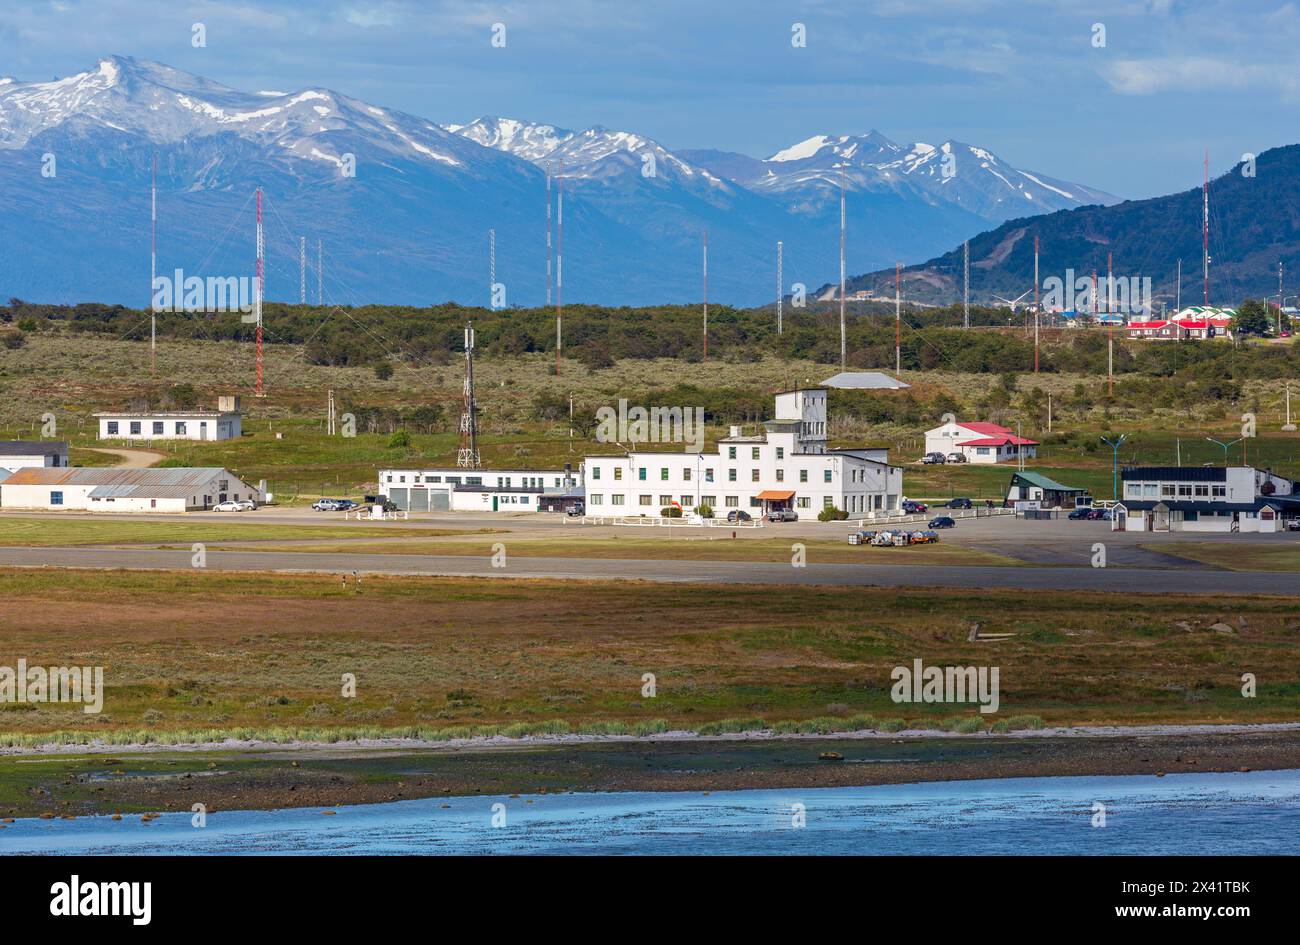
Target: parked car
{"points": [[1293, 524], [1079, 514], [575, 510], [960, 504], [327, 505], [346, 505], [736, 516], [931, 458], [915, 508], [942, 521], [783, 515], [232, 506], [956, 457]]}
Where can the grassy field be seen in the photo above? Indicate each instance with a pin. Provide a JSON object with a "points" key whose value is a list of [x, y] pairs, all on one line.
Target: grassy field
{"points": [[21, 531], [203, 656], [663, 549], [1236, 557]]}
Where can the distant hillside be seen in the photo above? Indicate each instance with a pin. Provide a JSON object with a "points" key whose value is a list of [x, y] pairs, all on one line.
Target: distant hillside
{"points": [[1254, 223]]}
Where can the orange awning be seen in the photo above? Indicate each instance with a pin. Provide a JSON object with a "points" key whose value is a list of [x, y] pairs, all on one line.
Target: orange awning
{"points": [[773, 496]]}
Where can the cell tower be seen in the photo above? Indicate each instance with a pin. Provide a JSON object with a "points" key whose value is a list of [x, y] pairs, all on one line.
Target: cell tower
{"points": [[257, 296], [965, 284], [320, 273], [467, 455], [153, 266], [706, 293], [843, 338], [302, 270], [780, 289], [492, 267]]}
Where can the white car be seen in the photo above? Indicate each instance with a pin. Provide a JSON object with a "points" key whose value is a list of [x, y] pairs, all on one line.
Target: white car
{"points": [[233, 506]]}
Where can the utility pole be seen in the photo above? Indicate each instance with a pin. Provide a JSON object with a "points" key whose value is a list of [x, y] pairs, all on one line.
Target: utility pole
{"points": [[548, 236], [706, 294], [257, 298], [1178, 290], [1035, 303], [329, 415], [965, 284], [492, 266], [467, 455], [1288, 427], [1280, 300], [320, 272], [898, 320], [780, 289], [843, 337]]}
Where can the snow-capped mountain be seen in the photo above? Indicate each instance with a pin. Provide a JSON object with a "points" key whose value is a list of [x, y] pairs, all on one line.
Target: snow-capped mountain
{"points": [[403, 204], [808, 173]]}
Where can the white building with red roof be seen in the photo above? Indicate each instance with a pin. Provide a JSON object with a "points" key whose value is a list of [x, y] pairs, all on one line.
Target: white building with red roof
{"points": [[979, 442]]}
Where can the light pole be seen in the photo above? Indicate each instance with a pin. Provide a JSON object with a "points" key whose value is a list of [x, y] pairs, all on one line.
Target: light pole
{"points": [[1225, 446], [1114, 463]]}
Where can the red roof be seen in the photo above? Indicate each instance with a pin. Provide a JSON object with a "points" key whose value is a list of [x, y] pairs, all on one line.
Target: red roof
{"points": [[1148, 325], [988, 429], [1013, 440], [1192, 323]]}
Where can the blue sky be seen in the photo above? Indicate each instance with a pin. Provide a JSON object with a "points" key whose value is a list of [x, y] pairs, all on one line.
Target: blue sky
{"points": [[1022, 78]]}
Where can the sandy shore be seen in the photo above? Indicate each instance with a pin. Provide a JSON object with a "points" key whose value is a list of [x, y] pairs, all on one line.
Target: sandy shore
{"points": [[66, 783]]}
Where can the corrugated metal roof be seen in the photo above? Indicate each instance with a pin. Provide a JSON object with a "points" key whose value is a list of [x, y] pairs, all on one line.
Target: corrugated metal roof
{"points": [[1038, 479], [144, 492], [864, 380], [186, 477], [1175, 473]]}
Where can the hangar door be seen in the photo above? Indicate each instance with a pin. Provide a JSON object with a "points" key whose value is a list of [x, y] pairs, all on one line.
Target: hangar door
{"points": [[419, 500], [398, 498]]}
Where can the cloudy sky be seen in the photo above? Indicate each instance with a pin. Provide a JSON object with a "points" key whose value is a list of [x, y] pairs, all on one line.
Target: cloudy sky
{"points": [[1036, 81]]}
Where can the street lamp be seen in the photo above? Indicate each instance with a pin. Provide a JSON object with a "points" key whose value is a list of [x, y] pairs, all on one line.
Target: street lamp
{"points": [[1114, 462], [1225, 446]]}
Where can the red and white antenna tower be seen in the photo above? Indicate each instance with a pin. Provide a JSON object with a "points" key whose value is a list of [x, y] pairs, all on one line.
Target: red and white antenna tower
{"points": [[780, 290], [898, 319], [257, 296], [559, 268], [1205, 226], [548, 236], [153, 266], [706, 293]]}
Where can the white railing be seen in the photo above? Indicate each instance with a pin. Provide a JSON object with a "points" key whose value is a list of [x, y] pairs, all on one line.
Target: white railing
{"points": [[653, 521]]}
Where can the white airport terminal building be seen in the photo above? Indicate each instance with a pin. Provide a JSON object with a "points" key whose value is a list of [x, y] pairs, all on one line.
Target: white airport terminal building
{"points": [[201, 424], [786, 466]]}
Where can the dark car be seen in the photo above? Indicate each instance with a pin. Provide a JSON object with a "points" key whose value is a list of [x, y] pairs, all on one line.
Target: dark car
{"points": [[915, 508], [960, 504], [931, 459], [943, 521], [1096, 515], [575, 510], [1079, 514], [736, 516]]}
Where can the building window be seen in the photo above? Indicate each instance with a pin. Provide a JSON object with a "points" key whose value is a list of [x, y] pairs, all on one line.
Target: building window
{"points": [[755, 502], [644, 499], [708, 474], [687, 501], [135, 427], [754, 453], [753, 475], [1220, 492], [826, 475], [1166, 491], [733, 501], [686, 474], [180, 427], [828, 502], [616, 499], [731, 475], [780, 475], [158, 428], [595, 499], [112, 428], [56, 498], [1184, 490], [1202, 490], [803, 475], [709, 500], [780, 452], [640, 474], [618, 473], [731, 452], [595, 473], [663, 473], [802, 502]]}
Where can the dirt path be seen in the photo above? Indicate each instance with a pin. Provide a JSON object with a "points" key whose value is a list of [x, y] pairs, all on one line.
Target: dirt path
{"points": [[133, 459]]}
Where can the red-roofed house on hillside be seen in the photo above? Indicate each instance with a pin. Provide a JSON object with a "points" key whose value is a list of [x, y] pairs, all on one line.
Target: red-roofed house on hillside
{"points": [[979, 442]]}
